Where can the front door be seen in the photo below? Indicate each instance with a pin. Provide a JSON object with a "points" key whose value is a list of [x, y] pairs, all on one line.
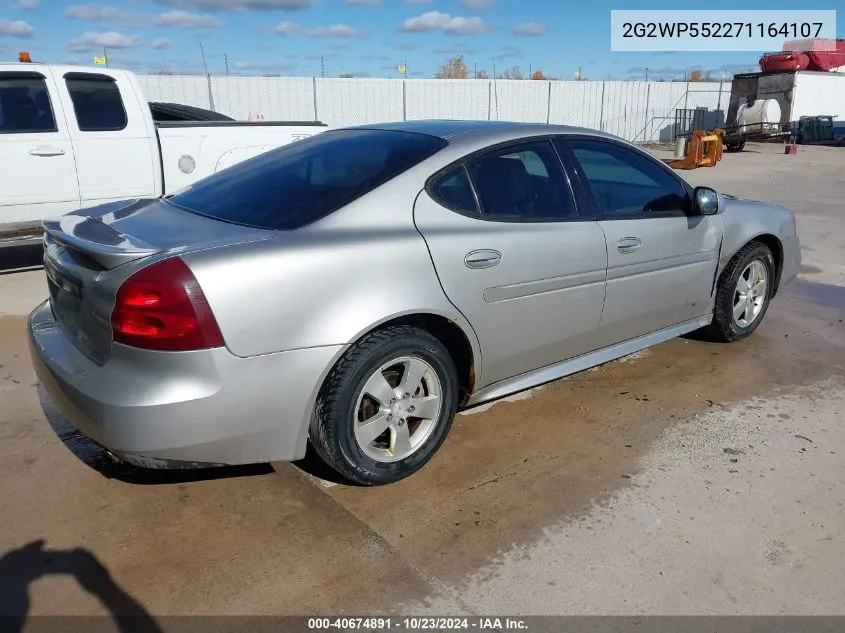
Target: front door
{"points": [[37, 166], [661, 260], [515, 258]]}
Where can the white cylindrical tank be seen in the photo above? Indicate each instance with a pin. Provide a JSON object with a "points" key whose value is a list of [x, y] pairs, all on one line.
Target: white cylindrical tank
{"points": [[759, 115]]}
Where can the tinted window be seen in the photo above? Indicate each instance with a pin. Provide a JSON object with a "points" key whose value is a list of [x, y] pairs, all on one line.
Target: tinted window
{"points": [[627, 184], [301, 182], [96, 102], [25, 105], [522, 182], [455, 191]]}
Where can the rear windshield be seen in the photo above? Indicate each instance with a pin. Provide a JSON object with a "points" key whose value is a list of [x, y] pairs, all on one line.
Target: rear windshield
{"points": [[294, 185]]}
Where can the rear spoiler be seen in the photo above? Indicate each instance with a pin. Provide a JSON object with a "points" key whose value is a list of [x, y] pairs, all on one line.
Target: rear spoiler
{"points": [[95, 239]]}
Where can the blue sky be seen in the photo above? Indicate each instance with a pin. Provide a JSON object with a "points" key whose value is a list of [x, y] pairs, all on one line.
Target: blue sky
{"points": [[360, 37]]}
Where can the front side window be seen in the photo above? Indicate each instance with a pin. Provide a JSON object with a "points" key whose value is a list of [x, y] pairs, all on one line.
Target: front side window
{"points": [[97, 103], [294, 185], [522, 182], [626, 184], [25, 104]]}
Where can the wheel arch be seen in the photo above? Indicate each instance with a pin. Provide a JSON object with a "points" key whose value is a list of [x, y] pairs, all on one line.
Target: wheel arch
{"points": [[455, 334], [776, 246], [771, 241]]}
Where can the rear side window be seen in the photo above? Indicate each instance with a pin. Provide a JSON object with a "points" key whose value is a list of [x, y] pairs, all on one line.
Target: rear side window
{"points": [[299, 183], [96, 102], [455, 191], [25, 104]]}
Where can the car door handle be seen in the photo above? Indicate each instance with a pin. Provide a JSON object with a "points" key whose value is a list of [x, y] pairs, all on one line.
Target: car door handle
{"points": [[46, 150], [482, 259], [629, 244]]}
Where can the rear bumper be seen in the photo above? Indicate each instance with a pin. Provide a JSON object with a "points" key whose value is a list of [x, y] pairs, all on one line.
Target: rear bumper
{"points": [[166, 409]]}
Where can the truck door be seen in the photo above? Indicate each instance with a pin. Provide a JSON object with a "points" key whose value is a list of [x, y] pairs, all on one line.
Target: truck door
{"points": [[38, 173], [114, 154]]}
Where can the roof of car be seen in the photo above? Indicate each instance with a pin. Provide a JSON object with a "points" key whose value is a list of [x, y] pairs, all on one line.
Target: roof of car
{"points": [[450, 129]]}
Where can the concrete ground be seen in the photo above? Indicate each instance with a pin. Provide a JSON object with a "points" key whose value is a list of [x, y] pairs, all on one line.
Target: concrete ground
{"points": [[692, 478]]}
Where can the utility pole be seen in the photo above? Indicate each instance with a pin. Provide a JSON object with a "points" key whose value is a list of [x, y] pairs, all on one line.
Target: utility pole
{"points": [[405, 69], [207, 76], [106, 57], [322, 67], [202, 53], [226, 61]]}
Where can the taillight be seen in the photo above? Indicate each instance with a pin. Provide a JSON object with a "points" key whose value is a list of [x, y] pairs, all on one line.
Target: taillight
{"points": [[162, 307]]}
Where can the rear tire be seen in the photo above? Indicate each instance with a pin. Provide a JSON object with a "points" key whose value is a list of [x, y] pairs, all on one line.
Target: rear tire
{"points": [[742, 294], [386, 407]]}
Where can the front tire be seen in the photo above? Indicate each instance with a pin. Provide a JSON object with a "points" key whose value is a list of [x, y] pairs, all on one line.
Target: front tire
{"points": [[743, 294], [387, 406]]}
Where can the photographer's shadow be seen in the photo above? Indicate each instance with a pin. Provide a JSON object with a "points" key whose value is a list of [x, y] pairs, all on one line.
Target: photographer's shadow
{"points": [[21, 567]]}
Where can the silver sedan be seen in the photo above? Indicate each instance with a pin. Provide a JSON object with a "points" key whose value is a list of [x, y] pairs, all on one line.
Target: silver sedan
{"points": [[357, 288]]}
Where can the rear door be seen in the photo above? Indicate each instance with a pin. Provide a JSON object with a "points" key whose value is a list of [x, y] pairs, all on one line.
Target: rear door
{"points": [[661, 261], [515, 257], [114, 149], [37, 166]]}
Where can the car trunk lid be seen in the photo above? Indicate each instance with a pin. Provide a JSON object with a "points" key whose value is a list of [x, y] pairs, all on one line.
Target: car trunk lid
{"points": [[89, 253]]}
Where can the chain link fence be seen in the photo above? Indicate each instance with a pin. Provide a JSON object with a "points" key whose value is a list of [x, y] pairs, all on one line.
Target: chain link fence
{"points": [[638, 111]]}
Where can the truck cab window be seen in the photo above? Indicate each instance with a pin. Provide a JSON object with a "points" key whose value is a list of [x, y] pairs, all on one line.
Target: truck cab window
{"points": [[96, 102], [25, 105]]}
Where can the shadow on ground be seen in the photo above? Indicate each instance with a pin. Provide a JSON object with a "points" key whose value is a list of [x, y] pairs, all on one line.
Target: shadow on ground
{"points": [[21, 567]]}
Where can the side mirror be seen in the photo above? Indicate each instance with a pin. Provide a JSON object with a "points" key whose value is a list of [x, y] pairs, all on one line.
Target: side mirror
{"points": [[707, 201]]}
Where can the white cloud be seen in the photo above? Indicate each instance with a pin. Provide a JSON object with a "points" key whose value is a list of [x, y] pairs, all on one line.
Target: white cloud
{"points": [[161, 43], [184, 20], [27, 5], [530, 29], [104, 13], [110, 39], [436, 21], [336, 30], [16, 28], [239, 5], [478, 4]]}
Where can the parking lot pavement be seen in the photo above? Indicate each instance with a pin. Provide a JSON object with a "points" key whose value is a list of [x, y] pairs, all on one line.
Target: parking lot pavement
{"points": [[690, 478]]}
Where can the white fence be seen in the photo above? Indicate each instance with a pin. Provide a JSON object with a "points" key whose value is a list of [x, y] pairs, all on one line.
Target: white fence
{"points": [[636, 110]]}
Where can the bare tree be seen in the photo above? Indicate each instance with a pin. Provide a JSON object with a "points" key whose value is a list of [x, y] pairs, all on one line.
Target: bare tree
{"points": [[512, 73], [482, 74], [455, 68]]}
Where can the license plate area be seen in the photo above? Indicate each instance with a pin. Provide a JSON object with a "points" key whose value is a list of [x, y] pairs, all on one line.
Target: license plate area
{"points": [[65, 296]]}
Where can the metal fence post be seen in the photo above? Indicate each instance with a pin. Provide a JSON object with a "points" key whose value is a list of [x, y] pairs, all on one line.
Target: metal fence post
{"points": [[210, 93], [489, 99], [601, 112], [314, 92]]}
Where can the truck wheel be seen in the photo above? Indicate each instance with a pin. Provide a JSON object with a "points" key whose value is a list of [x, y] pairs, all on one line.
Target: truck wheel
{"points": [[735, 147], [743, 294], [386, 407]]}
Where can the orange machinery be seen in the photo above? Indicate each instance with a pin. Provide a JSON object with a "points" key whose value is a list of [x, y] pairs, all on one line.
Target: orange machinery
{"points": [[704, 149]]}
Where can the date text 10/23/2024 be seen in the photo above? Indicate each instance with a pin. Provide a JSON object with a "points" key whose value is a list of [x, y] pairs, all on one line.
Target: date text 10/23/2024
{"points": [[417, 624]]}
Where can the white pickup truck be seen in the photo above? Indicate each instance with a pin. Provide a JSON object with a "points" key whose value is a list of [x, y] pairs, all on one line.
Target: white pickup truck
{"points": [[72, 137]]}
